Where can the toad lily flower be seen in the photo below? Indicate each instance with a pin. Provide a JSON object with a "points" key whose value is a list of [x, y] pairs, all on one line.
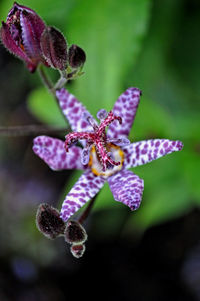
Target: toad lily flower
{"points": [[105, 156]]}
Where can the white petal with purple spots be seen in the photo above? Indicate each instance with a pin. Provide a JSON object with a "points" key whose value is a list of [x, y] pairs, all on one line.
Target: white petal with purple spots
{"points": [[125, 107], [74, 111], [85, 189], [52, 151], [127, 188], [142, 152]]}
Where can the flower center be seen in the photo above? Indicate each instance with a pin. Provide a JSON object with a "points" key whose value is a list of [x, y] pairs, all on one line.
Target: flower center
{"points": [[94, 163], [104, 152]]}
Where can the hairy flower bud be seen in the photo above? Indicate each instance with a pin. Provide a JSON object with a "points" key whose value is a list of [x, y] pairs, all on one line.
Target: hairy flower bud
{"points": [[75, 233], [54, 48], [48, 221], [76, 56], [21, 34]]}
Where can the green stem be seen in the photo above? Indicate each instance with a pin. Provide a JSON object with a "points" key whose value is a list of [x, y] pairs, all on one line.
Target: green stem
{"points": [[46, 80], [49, 85], [62, 80]]}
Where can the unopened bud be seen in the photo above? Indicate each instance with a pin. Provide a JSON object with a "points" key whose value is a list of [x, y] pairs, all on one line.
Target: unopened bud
{"points": [[75, 233], [54, 48], [77, 250], [48, 221], [21, 34], [76, 56]]}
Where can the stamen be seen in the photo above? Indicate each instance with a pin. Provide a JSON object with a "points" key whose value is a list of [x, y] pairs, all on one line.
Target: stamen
{"points": [[119, 141], [110, 155], [102, 114], [106, 122], [87, 117], [85, 156], [109, 166], [73, 137], [97, 138]]}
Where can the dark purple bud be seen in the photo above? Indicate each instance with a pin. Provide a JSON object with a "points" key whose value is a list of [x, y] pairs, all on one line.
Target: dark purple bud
{"points": [[74, 232], [78, 250], [21, 35], [54, 48], [76, 56], [48, 221]]}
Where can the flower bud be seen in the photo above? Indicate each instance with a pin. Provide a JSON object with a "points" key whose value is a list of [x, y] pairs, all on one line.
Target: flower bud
{"points": [[75, 233], [21, 34], [48, 221], [76, 56], [54, 48], [77, 250]]}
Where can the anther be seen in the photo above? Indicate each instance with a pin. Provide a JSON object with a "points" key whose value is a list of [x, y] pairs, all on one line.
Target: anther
{"points": [[102, 114], [120, 141], [87, 117], [85, 155]]}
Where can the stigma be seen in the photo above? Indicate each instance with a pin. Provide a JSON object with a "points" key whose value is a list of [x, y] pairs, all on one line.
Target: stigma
{"points": [[99, 148]]}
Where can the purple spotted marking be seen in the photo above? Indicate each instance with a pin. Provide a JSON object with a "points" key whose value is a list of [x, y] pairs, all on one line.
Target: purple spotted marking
{"points": [[142, 152], [125, 107], [73, 111], [52, 151], [127, 188], [80, 197]]}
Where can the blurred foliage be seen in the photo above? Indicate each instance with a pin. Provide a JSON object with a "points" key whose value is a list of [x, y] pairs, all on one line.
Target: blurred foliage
{"points": [[153, 45]]}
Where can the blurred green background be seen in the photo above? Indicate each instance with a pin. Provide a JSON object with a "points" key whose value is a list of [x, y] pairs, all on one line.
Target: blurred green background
{"points": [[153, 45]]}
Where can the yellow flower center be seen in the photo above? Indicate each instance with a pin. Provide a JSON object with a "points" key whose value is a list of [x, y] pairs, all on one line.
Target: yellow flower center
{"points": [[96, 167]]}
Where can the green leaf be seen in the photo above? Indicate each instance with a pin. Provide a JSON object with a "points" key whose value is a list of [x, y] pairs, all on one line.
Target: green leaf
{"points": [[56, 13], [111, 33], [151, 121], [166, 193], [190, 168]]}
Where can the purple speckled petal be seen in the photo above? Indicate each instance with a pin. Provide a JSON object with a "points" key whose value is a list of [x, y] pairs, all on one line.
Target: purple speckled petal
{"points": [[74, 111], [142, 152], [52, 151], [85, 189], [32, 28], [125, 107], [10, 44], [127, 188]]}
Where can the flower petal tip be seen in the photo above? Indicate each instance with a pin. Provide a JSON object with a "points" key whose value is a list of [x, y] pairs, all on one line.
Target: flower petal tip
{"points": [[134, 207], [135, 91], [179, 145]]}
